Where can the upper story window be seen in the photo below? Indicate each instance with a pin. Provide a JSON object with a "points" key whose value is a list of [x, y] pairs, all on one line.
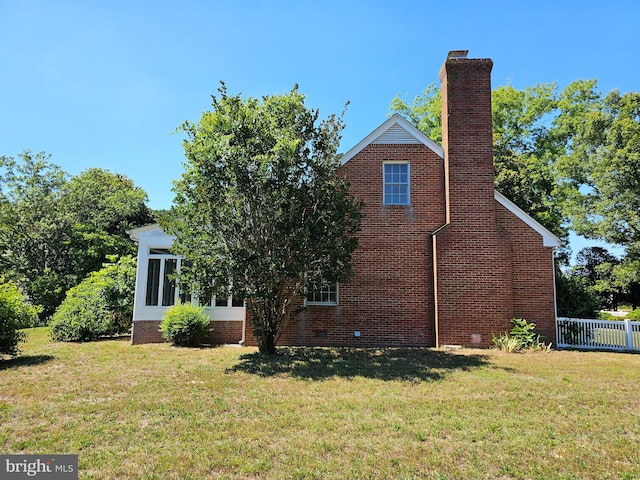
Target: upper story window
{"points": [[396, 183]]}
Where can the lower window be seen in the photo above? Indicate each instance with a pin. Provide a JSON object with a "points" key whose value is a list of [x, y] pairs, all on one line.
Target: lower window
{"points": [[323, 295]]}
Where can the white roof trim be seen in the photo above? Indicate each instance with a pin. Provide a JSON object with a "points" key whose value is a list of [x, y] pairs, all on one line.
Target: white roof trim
{"points": [[147, 231], [548, 238], [394, 121]]}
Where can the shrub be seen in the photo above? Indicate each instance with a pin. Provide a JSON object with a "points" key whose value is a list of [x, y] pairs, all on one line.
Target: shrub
{"points": [[185, 325], [634, 315], [522, 336], [574, 297], [605, 316], [101, 305], [15, 313]]}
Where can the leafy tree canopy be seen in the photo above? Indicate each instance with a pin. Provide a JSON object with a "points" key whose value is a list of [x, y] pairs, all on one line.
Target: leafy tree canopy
{"points": [[54, 229], [602, 167], [597, 267], [100, 305], [261, 208]]}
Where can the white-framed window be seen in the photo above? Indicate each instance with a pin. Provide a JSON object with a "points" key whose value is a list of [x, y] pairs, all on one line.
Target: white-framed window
{"points": [[396, 183], [161, 288], [324, 295], [225, 302]]}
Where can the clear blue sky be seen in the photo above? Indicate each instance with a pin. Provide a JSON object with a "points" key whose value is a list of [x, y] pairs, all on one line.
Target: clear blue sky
{"points": [[105, 83]]}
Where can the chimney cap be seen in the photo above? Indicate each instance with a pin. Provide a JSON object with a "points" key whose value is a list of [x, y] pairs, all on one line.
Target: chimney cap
{"points": [[457, 54]]}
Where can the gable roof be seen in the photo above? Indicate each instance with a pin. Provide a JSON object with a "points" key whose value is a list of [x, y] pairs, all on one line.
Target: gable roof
{"points": [[395, 130]]}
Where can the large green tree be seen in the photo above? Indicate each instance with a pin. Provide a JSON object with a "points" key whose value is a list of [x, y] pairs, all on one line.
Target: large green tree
{"points": [[602, 169], [626, 276], [55, 230], [100, 207], [261, 208], [597, 267], [34, 230]]}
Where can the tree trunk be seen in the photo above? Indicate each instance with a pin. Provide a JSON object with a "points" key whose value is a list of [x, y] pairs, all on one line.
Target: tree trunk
{"points": [[267, 344], [266, 324]]}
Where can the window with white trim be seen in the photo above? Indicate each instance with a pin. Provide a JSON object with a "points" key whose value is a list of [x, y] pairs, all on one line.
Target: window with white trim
{"points": [[323, 295], [222, 301], [396, 184], [231, 301], [161, 288]]}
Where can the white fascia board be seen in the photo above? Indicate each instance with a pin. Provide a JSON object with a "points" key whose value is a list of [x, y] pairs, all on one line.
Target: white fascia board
{"points": [[135, 233], [548, 238], [395, 119], [152, 235]]}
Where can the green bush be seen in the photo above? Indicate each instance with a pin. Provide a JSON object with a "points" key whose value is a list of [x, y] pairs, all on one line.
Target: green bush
{"points": [[574, 297], [15, 314], [522, 336], [634, 315], [101, 305], [185, 325], [606, 316]]}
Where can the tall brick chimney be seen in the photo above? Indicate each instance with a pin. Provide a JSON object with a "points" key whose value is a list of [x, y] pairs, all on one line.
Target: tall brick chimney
{"points": [[472, 265], [467, 136]]}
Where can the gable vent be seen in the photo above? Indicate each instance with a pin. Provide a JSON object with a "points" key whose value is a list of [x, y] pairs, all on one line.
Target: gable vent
{"points": [[396, 135]]}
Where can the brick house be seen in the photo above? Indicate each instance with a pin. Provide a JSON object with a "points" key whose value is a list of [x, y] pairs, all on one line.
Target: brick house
{"points": [[443, 257]]}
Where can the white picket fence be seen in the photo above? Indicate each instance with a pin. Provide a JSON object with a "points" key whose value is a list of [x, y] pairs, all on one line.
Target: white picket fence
{"points": [[597, 334]]}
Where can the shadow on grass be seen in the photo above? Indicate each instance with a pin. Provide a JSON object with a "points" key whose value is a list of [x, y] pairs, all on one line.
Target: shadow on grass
{"points": [[25, 361], [319, 363]]}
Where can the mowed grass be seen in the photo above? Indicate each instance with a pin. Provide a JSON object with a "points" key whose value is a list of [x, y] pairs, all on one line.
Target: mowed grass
{"points": [[158, 412]]}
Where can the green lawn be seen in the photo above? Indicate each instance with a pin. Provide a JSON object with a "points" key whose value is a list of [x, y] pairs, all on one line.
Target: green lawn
{"points": [[159, 412]]}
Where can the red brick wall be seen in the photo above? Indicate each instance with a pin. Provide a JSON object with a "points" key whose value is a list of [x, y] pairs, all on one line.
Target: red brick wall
{"points": [[390, 299], [223, 332], [487, 278], [475, 294], [533, 275], [146, 332]]}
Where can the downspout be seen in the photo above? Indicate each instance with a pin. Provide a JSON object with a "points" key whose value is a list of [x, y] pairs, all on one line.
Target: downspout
{"points": [[434, 245], [244, 325], [555, 294]]}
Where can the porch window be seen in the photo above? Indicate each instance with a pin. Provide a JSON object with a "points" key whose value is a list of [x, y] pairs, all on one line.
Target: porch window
{"points": [[227, 302], [237, 302], [161, 289], [153, 281], [221, 301], [169, 285], [396, 185]]}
